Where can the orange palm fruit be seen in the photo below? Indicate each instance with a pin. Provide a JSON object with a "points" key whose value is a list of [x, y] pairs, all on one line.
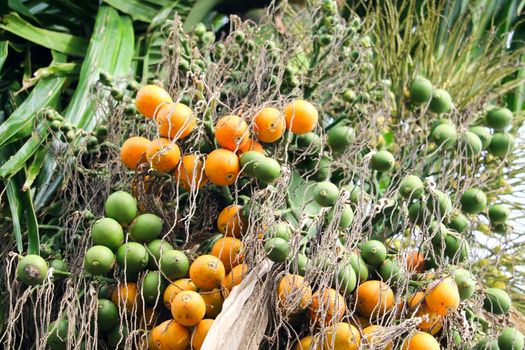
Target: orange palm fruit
{"points": [[301, 116], [230, 221], [149, 100], [188, 308], [175, 121], [443, 298], [190, 173], [420, 341], [175, 288], [229, 251], [222, 167], [294, 292], [231, 132], [200, 332], [374, 298], [207, 272], [327, 307], [163, 155], [126, 295], [214, 301], [234, 278], [269, 124], [342, 336], [133, 150], [169, 335]]}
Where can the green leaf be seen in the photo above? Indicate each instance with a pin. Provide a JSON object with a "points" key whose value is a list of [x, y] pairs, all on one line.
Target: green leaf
{"points": [[198, 12], [136, 9], [19, 7], [34, 169], [45, 94], [3, 52], [15, 203], [61, 42], [33, 236]]}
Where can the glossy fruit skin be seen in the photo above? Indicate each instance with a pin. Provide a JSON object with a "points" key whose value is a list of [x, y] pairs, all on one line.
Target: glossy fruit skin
{"points": [[269, 124], [304, 344], [484, 135], [174, 264], [499, 214], [309, 141], [473, 201], [32, 270], [207, 272], [222, 167], [289, 289], [421, 341], [175, 121], [229, 251], [99, 260], [499, 118], [340, 137], [248, 160], [411, 187], [108, 316], [327, 307], [107, 232], [150, 98], [501, 144], [133, 257], [299, 264], [421, 90], [325, 193], [511, 339], [214, 301], [122, 207], [146, 227], [382, 161], [199, 333], [175, 288], [231, 132], [438, 233], [133, 151], [465, 282], [373, 252], [301, 116], [472, 144], [374, 298], [456, 248], [346, 216], [277, 249], [417, 214], [390, 271], [188, 308], [234, 278], [497, 301], [416, 303], [230, 221], [58, 334], [153, 287], [458, 223], [440, 204], [267, 169], [444, 297], [169, 335], [155, 249], [345, 279], [163, 155], [370, 334], [441, 101], [359, 266], [342, 336], [190, 173], [116, 337], [445, 136]]}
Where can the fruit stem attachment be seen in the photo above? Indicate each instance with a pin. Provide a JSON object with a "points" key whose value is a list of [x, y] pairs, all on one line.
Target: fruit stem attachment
{"points": [[61, 273]]}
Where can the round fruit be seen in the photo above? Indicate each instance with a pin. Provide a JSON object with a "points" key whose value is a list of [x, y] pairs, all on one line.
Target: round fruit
{"points": [[199, 333], [325, 193], [231, 132], [346, 216], [501, 144], [207, 272], [373, 252], [499, 118], [310, 142], [497, 301], [499, 214], [281, 230], [222, 167], [484, 135], [32, 270], [440, 204], [122, 207], [359, 266], [471, 143], [190, 173], [456, 248], [249, 160], [267, 169], [174, 264], [294, 293], [169, 335], [445, 136], [234, 278], [251, 145], [99, 260], [163, 155], [126, 295], [443, 298], [340, 137], [441, 101], [269, 124], [153, 287], [107, 232], [374, 298], [133, 150], [345, 279], [458, 223], [511, 339], [229, 251], [230, 221], [145, 227], [298, 264], [327, 307], [188, 308], [421, 90], [411, 187], [430, 319], [372, 338], [473, 201], [415, 262], [214, 301], [301, 116], [304, 344], [116, 337], [155, 249], [421, 341], [416, 213], [438, 233], [175, 288], [175, 121], [58, 334], [390, 270], [382, 161], [342, 336], [107, 315], [465, 282], [132, 257], [277, 249], [149, 100]]}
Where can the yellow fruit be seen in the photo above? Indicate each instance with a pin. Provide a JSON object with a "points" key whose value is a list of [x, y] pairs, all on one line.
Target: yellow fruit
{"points": [[200, 332], [188, 308]]}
